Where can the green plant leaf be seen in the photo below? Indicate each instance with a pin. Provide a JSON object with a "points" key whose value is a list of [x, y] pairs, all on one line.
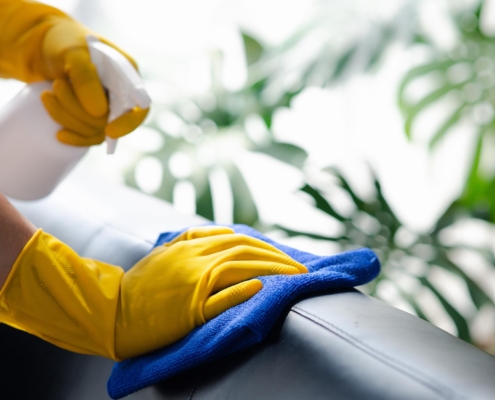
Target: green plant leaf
{"points": [[459, 321], [449, 123], [252, 48], [478, 295], [285, 152], [360, 204], [166, 190], [475, 187], [204, 197], [245, 210], [416, 73], [386, 36], [386, 216], [343, 62], [411, 301], [428, 100], [204, 203], [321, 203]]}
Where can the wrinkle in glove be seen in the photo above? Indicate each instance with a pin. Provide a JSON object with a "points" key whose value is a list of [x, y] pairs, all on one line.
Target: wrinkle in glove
{"points": [[248, 323]]}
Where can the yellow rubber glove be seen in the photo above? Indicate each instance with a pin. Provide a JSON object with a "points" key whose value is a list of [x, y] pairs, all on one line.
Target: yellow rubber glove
{"points": [[193, 279], [94, 308], [62, 298], [38, 43]]}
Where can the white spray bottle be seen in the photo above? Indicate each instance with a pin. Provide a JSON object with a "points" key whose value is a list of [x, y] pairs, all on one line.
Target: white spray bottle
{"points": [[32, 161]]}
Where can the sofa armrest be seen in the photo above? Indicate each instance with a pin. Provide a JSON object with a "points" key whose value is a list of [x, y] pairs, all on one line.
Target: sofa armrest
{"points": [[345, 346]]}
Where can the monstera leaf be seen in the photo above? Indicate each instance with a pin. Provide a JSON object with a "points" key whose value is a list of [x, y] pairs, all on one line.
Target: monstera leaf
{"points": [[327, 50], [409, 261]]}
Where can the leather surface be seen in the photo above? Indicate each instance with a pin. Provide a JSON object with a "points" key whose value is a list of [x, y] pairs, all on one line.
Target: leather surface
{"points": [[346, 346], [334, 346]]}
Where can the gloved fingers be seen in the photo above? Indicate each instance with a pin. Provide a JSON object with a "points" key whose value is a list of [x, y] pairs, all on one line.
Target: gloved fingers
{"points": [[72, 138], [230, 297], [251, 253], [241, 243], [198, 232], [233, 272], [237, 239], [63, 117], [66, 96], [126, 55], [126, 123], [85, 81]]}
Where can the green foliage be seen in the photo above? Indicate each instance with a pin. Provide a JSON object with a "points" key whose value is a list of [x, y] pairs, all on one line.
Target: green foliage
{"points": [[281, 73], [219, 131], [253, 49], [406, 262], [212, 138], [462, 79]]}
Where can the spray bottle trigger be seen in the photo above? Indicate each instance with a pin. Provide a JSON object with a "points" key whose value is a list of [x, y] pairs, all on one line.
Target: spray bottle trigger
{"points": [[119, 77]]}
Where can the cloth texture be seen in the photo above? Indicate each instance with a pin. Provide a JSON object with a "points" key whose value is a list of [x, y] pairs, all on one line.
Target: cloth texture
{"points": [[248, 323]]}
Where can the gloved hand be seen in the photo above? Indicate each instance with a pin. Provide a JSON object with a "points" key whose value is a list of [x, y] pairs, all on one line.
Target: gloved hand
{"points": [[39, 43], [204, 272], [91, 307]]}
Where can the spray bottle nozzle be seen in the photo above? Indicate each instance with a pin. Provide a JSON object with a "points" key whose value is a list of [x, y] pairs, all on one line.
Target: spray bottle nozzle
{"points": [[121, 80]]}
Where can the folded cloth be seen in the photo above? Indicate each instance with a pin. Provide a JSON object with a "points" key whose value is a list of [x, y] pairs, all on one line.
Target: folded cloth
{"points": [[248, 323]]}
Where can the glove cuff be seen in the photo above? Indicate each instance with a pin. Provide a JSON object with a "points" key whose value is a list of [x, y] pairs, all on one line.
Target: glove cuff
{"points": [[62, 298]]}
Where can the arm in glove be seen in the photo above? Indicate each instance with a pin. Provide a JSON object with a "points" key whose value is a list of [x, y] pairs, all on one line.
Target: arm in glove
{"points": [[94, 308], [38, 43]]}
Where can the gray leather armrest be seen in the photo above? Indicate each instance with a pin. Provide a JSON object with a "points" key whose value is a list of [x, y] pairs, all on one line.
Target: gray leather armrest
{"points": [[346, 346], [343, 345]]}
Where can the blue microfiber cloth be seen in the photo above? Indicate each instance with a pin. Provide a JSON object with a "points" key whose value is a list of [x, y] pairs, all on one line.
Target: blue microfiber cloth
{"points": [[248, 323]]}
